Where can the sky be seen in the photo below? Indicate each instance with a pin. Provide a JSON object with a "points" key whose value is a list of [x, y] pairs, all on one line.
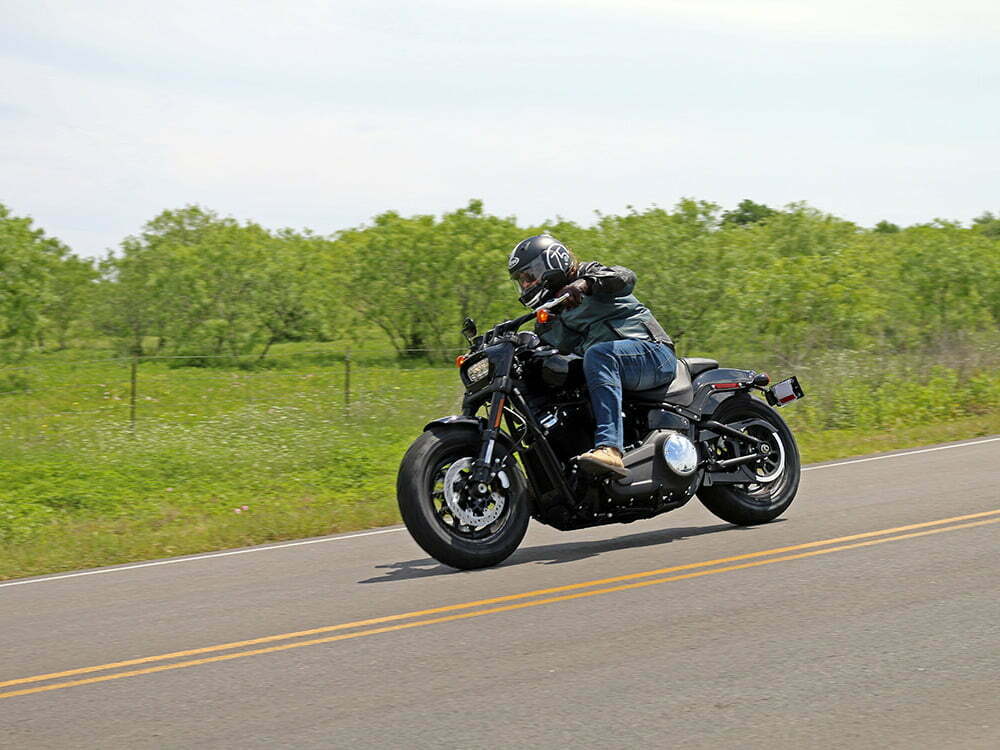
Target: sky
{"points": [[322, 115]]}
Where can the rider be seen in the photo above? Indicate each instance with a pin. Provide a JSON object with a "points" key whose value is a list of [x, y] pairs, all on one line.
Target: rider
{"points": [[622, 344]]}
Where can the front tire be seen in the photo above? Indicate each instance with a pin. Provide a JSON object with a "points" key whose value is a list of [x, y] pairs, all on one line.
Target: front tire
{"points": [[440, 519], [754, 503]]}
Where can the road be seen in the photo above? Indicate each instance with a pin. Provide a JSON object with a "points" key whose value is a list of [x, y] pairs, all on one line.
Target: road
{"points": [[868, 616]]}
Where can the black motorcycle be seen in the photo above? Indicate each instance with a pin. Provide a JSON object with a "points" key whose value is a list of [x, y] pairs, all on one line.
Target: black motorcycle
{"points": [[468, 485]]}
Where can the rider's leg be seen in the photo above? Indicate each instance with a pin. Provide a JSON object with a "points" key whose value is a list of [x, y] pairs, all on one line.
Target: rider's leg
{"points": [[609, 367]]}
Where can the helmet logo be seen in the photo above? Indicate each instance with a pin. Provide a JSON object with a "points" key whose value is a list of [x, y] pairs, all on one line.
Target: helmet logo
{"points": [[513, 260], [556, 257]]}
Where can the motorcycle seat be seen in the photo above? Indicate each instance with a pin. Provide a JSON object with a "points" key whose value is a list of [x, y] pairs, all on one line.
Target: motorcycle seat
{"points": [[698, 365], [678, 391]]}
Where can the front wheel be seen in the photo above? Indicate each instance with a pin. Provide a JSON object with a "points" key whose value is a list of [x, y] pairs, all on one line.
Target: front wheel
{"points": [[777, 476], [443, 517]]}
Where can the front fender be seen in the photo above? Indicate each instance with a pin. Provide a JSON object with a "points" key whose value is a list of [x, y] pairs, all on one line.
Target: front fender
{"points": [[461, 422], [457, 419]]}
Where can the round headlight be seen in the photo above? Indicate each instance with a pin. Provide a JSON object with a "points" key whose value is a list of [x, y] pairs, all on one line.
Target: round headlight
{"points": [[680, 454], [478, 371]]}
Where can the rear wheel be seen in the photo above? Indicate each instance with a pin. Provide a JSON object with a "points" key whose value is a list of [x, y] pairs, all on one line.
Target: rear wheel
{"points": [[777, 475], [442, 513]]}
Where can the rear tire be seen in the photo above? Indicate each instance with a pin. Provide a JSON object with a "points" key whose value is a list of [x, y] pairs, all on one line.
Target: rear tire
{"points": [[441, 533], [746, 505]]}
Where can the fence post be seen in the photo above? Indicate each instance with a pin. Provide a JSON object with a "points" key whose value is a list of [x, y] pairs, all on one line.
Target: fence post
{"points": [[132, 391], [347, 378]]}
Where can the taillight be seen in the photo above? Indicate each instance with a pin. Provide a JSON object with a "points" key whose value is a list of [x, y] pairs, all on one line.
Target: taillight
{"points": [[726, 386]]}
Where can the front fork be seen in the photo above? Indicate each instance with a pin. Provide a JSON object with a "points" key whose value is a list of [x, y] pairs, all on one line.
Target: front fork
{"points": [[482, 469]]}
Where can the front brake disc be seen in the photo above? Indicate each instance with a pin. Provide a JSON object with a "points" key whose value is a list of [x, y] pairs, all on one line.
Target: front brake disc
{"points": [[457, 499]]}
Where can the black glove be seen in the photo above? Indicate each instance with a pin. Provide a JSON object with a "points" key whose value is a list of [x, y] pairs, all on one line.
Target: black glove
{"points": [[575, 290]]}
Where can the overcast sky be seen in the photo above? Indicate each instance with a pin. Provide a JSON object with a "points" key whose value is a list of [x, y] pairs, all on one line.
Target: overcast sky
{"points": [[323, 114]]}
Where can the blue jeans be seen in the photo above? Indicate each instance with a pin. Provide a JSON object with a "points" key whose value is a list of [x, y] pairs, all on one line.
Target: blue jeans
{"points": [[626, 363]]}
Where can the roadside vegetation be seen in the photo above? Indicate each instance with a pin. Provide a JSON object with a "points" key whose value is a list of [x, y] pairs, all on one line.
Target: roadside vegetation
{"points": [[280, 375]]}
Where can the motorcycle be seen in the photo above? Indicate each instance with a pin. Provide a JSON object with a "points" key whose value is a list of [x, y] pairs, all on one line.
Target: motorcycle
{"points": [[469, 484]]}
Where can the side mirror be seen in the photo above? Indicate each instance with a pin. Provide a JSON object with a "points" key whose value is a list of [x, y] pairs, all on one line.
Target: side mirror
{"points": [[469, 329]]}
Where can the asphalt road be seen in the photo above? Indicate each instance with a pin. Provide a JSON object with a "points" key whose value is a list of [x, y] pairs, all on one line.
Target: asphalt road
{"points": [[784, 635]]}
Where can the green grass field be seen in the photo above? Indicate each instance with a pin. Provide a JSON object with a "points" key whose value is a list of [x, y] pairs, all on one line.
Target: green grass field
{"points": [[225, 456]]}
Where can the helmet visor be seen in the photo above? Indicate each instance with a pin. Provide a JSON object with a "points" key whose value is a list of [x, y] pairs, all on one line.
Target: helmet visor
{"points": [[528, 282], [530, 274]]}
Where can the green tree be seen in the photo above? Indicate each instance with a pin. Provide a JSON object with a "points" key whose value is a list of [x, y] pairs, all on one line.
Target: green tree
{"points": [[680, 272], [949, 282], [146, 290], [27, 259], [71, 287], [189, 280], [481, 244], [395, 277], [886, 227], [988, 224], [296, 294], [747, 212], [416, 278]]}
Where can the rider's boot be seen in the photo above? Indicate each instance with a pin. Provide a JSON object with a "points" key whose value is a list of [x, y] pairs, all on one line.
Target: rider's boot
{"points": [[604, 459]]}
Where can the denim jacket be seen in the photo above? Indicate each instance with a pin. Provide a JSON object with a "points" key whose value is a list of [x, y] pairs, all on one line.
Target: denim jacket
{"points": [[608, 313]]}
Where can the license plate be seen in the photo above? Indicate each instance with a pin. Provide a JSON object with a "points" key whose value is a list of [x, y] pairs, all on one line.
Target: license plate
{"points": [[784, 392]]}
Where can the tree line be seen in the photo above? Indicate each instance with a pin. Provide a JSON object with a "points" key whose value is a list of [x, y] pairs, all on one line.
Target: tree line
{"points": [[794, 281]]}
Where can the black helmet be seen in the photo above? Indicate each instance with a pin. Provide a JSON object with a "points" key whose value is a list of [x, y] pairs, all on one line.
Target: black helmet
{"points": [[539, 266]]}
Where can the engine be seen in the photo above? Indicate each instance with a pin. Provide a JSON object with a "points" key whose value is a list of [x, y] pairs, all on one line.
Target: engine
{"points": [[569, 428], [664, 465]]}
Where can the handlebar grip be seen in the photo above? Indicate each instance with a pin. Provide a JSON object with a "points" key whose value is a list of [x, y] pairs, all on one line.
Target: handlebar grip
{"points": [[554, 303]]}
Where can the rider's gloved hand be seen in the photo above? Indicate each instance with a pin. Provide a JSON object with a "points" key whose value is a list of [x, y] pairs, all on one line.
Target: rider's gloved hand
{"points": [[575, 290]]}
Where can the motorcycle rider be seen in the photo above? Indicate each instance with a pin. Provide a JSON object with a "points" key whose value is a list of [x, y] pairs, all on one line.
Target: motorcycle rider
{"points": [[622, 344]]}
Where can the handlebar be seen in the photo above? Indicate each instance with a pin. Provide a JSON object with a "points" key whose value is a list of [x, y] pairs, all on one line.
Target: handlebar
{"points": [[512, 325], [548, 306]]}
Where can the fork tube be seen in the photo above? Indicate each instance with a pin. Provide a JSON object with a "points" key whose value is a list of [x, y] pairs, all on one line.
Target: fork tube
{"points": [[482, 471]]}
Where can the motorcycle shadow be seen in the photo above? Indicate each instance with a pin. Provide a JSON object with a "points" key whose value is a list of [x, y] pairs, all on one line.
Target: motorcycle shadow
{"points": [[554, 554]]}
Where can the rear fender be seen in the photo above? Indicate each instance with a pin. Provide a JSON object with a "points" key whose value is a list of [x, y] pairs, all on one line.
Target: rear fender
{"points": [[712, 387]]}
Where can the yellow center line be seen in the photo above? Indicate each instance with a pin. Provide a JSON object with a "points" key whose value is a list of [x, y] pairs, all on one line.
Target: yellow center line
{"points": [[493, 610], [483, 602]]}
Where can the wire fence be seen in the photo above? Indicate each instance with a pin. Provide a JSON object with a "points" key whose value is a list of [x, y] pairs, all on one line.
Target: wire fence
{"points": [[224, 357], [354, 385], [129, 390]]}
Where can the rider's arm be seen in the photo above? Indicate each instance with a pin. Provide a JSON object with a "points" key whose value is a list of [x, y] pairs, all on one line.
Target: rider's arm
{"points": [[555, 333], [610, 281]]}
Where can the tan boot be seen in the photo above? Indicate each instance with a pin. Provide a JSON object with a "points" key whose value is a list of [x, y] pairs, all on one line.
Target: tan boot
{"points": [[603, 460]]}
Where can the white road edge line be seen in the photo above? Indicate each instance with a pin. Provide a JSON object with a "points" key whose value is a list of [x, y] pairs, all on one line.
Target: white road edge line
{"points": [[209, 556], [175, 560], [897, 455]]}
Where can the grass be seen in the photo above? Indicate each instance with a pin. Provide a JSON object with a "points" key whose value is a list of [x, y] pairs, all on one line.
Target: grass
{"points": [[226, 457], [830, 444]]}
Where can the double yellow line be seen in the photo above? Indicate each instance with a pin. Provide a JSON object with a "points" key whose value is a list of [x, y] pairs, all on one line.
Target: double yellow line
{"points": [[538, 597]]}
